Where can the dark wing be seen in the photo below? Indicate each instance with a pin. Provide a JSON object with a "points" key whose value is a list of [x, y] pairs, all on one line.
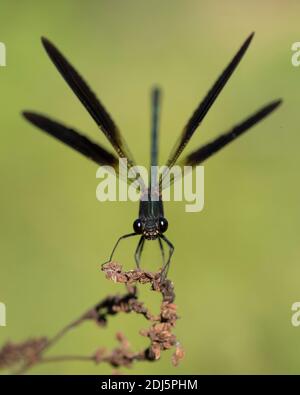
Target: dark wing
{"points": [[205, 105], [200, 155], [73, 139], [89, 100]]}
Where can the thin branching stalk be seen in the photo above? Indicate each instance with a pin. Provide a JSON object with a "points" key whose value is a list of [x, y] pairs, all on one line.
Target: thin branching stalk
{"points": [[23, 356]]}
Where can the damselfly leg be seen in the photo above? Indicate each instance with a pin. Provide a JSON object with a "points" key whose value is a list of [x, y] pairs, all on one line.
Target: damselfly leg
{"points": [[138, 251], [165, 269], [116, 245]]}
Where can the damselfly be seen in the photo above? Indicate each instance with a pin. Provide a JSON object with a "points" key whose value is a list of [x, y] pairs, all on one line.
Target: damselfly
{"points": [[151, 223]]}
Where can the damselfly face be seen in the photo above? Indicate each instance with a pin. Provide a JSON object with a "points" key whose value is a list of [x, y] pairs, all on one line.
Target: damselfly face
{"points": [[150, 227]]}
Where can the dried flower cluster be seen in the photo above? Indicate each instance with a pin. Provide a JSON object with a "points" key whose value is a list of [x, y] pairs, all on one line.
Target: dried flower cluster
{"points": [[27, 352], [24, 355]]}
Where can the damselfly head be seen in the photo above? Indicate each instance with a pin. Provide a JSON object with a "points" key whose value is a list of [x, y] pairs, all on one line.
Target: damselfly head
{"points": [[151, 228]]}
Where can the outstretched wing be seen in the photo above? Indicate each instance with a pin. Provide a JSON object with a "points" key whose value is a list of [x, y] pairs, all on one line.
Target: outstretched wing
{"points": [[205, 105], [73, 139], [89, 100], [201, 154]]}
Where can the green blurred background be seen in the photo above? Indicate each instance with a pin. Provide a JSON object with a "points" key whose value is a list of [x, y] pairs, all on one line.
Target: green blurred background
{"points": [[236, 266]]}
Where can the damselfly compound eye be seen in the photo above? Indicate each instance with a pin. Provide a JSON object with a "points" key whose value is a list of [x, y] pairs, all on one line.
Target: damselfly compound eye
{"points": [[137, 226], [163, 225]]}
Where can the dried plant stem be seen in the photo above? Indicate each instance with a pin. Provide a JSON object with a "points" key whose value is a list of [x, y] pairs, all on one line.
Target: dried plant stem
{"points": [[32, 352], [65, 358], [63, 332]]}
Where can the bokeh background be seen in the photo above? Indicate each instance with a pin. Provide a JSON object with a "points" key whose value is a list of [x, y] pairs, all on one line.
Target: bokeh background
{"points": [[236, 266]]}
